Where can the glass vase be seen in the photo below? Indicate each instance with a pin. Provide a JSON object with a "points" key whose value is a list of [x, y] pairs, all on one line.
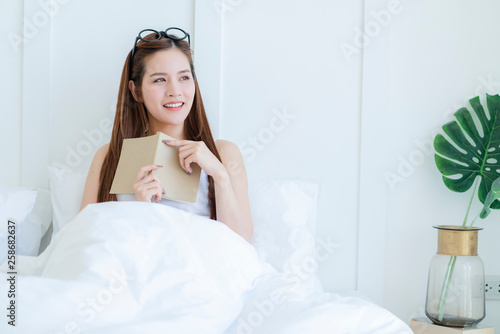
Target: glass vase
{"points": [[455, 287]]}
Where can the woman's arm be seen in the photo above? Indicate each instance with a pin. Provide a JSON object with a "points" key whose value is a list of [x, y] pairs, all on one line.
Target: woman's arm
{"points": [[92, 182], [145, 187], [231, 191], [230, 180]]}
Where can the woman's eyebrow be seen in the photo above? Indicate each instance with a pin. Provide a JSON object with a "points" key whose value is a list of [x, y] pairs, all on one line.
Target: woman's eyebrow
{"points": [[163, 73]]}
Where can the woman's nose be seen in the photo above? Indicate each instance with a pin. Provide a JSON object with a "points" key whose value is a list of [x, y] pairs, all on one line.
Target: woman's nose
{"points": [[173, 89]]}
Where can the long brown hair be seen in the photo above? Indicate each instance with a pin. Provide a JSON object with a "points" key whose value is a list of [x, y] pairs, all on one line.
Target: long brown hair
{"points": [[131, 118]]}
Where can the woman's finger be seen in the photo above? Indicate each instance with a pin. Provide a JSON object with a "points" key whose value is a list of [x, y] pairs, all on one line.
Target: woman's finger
{"points": [[173, 142], [143, 171], [149, 182], [149, 192], [148, 187], [148, 179], [183, 156], [187, 163], [187, 152]]}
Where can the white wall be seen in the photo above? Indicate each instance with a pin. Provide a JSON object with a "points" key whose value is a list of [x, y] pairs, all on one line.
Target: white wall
{"points": [[419, 63], [435, 56], [354, 115], [11, 24], [283, 58], [63, 79], [86, 70]]}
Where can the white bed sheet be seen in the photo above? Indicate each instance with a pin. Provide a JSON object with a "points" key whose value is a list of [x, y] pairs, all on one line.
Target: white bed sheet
{"points": [[132, 267]]}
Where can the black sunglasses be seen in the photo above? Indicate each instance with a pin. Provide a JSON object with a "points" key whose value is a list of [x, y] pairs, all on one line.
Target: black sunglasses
{"points": [[177, 34]]}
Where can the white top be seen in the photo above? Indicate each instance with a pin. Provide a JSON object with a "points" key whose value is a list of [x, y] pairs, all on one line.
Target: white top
{"points": [[201, 207]]}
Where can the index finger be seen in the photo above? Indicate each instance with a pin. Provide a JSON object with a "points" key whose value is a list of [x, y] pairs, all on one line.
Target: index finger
{"points": [[176, 142], [145, 170]]}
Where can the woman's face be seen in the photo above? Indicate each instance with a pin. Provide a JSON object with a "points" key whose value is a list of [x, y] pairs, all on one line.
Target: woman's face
{"points": [[168, 89]]}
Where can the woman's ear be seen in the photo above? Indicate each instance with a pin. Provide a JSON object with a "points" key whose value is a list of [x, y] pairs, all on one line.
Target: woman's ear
{"points": [[131, 87]]}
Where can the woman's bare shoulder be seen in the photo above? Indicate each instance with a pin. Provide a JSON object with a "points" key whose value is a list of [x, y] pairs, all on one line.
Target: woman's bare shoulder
{"points": [[227, 148], [231, 158], [92, 183], [103, 150], [99, 156]]}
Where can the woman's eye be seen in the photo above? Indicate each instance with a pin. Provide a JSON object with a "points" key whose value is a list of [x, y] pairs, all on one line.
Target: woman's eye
{"points": [[159, 80], [185, 78]]}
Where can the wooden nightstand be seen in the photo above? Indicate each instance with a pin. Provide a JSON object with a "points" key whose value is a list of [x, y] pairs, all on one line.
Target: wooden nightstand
{"points": [[425, 326]]}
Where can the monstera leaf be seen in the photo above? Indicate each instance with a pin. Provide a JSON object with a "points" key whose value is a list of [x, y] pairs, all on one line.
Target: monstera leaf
{"points": [[479, 153], [492, 196]]}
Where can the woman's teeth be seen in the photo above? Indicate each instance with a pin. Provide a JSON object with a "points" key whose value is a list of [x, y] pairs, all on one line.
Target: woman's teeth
{"points": [[173, 105]]}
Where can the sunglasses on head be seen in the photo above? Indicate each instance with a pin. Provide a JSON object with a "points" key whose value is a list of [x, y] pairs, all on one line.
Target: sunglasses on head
{"points": [[146, 35]]}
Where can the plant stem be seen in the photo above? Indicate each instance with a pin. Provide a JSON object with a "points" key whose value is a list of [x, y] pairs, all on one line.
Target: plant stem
{"points": [[453, 260], [470, 203], [474, 220], [444, 281], [441, 307]]}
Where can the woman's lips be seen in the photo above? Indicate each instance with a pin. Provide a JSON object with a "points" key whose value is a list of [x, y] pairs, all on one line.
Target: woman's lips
{"points": [[174, 106]]}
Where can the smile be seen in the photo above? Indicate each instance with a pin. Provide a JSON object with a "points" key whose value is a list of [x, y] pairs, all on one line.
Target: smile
{"points": [[173, 105]]}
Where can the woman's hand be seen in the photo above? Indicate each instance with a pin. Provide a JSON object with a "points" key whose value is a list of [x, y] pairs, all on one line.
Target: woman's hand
{"points": [[197, 152], [147, 185]]}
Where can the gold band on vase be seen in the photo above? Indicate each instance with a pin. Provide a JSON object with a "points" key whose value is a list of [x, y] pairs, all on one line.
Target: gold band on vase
{"points": [[455, 241]]}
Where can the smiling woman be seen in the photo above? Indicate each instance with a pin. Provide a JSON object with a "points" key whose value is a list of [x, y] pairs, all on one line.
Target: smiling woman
{"points": [[159, 92], [167, 92]]}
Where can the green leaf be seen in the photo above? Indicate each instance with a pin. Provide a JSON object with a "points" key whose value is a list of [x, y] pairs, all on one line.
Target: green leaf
{"points": [[479, 156], [493, 195]]}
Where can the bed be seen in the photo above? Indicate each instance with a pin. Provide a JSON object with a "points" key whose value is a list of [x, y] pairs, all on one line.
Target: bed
{"points": [[132, 267]]}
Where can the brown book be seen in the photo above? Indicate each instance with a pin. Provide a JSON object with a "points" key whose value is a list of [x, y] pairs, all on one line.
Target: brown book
{"points": [[139, 152]]}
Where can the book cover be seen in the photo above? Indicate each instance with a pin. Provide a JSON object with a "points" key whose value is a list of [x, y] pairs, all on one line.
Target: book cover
{"points": [[143, 151]]}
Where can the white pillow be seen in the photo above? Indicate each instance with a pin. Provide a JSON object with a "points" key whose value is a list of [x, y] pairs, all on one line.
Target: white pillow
{"points": [[36, 223], [66, 189], [15, 204], [284, 217]]}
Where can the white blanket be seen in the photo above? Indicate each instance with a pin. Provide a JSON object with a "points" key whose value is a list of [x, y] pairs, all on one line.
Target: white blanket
{"points": [[132, 267]]}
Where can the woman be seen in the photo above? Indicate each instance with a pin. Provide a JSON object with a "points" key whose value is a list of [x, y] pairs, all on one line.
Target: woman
{"points": [[159, 92]]}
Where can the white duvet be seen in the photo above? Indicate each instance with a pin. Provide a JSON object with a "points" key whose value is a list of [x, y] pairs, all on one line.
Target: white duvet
{"points": [[132, 267]]}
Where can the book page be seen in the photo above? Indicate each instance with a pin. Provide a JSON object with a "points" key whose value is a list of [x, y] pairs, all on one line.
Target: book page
{"points": [[136, 153], [178, 184], [144, 151]]}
